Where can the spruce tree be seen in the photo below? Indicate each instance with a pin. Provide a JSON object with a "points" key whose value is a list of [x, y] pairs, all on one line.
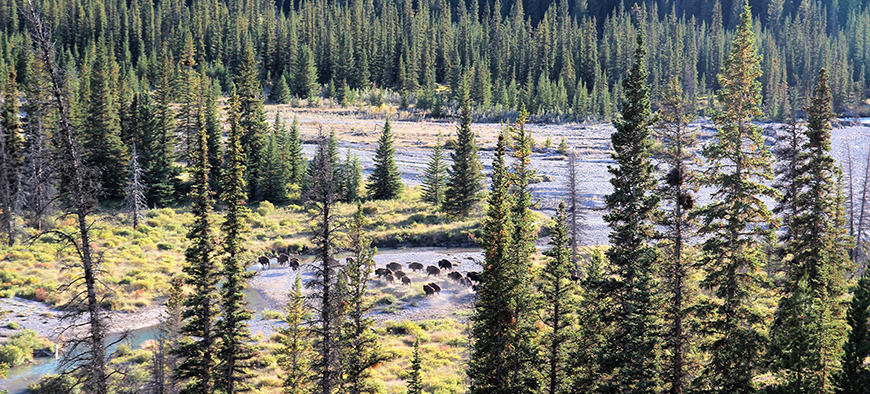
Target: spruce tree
{"points": [[101, 124], [352, 177], [305, 75], [463, 179], [433, 177], [235, 352], [854, 377], [274, 164], [293, 346], [415, 375], [189, 87], [11, 158], [214, 133], [557, 299], [280, 93], [327, 295], [806, 353], [677, 150], [385, 182], [632, 363], [297, 163], [735, 225], [361, 344], [198, 350], [253, 122]]}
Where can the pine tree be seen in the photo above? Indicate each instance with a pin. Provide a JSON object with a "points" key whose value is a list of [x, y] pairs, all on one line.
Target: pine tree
{"points": [[168, 339], [214, 133], [463, 179], [161, 170], [433, 177], [327, 295], [253, 122], [101, 125], [297, 162], [677, 150], [280, 93], [632, 362], [352, 176], [235, 352], [854, 377], [558, 299], [274, 165], [305, 75], [294, 348], [735, 224], [361, 344], [198, 350], [189, 86], [385, 182], [415, 375], [11, 158], [806, 353]]}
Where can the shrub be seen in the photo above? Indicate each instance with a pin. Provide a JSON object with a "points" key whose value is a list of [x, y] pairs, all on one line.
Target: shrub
{"points": [[269, 314], [40, 294], [12, 325], [265, 208]]}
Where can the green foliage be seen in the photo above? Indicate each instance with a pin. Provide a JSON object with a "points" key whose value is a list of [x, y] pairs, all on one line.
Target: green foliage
{"points": [[293, 349], [854, 377], [633, 364], [252, 121], [385, 182], [736, 225], [463, 178], [434, 176], [280, 93], [305, 75], [19, 348], [414, 380]]}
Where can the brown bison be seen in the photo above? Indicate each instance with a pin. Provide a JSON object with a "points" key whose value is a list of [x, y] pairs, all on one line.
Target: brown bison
{"points": [[416, 267], [455, 276], [399, 274], [294, 264], [444, 264], [428, 290], [435, 287], [406, 281], [389, 278], [465, 282], [283, 259], [394, 266], [432, 270], [264, 261], [474, 276], [381, 272]]}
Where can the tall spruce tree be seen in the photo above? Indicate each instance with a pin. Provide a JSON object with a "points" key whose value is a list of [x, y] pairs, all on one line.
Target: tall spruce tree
{"points": [[214, 133], [632, 362], [503, 313], [352, 177], [415, 375], [297, 165], [252, 121], [558, 299], [305, 75], [361, 344], [326, 297], [854, 377], [735, 225], [11, 157], [274, 176], [433, 177], [385, 182], [198, 350], [101, 125], [463, 179], [294, 347], [677, 150], [235, 352], [806, 353], [162, 170]]}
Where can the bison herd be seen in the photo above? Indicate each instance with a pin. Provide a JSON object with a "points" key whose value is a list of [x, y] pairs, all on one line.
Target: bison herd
{"points": [[393, 272]]}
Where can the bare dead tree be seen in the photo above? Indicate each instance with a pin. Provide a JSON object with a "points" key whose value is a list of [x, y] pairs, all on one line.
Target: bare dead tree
{"points": [[85, 358], [574, 209], [135, 201]]}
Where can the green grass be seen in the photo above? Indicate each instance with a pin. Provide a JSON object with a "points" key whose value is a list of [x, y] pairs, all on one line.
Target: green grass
{"points": [[138, 264]]}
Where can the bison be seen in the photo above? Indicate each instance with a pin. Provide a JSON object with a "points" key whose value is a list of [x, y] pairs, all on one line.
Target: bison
{"points": [[432, 270], [294, 264], [455, 276], [435, 287], [465, 282], [264, 261], [416, 267], [389, 278], [406, 281], [399, 274], [474, 276], [283, 259], [381, 272], [444, 264], [394, 266], [428, 290]]}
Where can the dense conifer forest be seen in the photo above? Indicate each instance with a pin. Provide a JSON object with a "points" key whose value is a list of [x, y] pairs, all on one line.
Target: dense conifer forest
{"points": [[736, 251]]}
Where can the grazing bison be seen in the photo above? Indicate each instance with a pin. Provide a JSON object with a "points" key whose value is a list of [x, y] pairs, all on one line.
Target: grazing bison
{"points": [[455, 276], [294, 263], [389, 278], [394, 266], [283, 259], [432, 270], [428, 290], [406, 281], [444, 264], [435, 287], [399, 274], [264, 261], [416, 267], [381, 272], [474, 276]]}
